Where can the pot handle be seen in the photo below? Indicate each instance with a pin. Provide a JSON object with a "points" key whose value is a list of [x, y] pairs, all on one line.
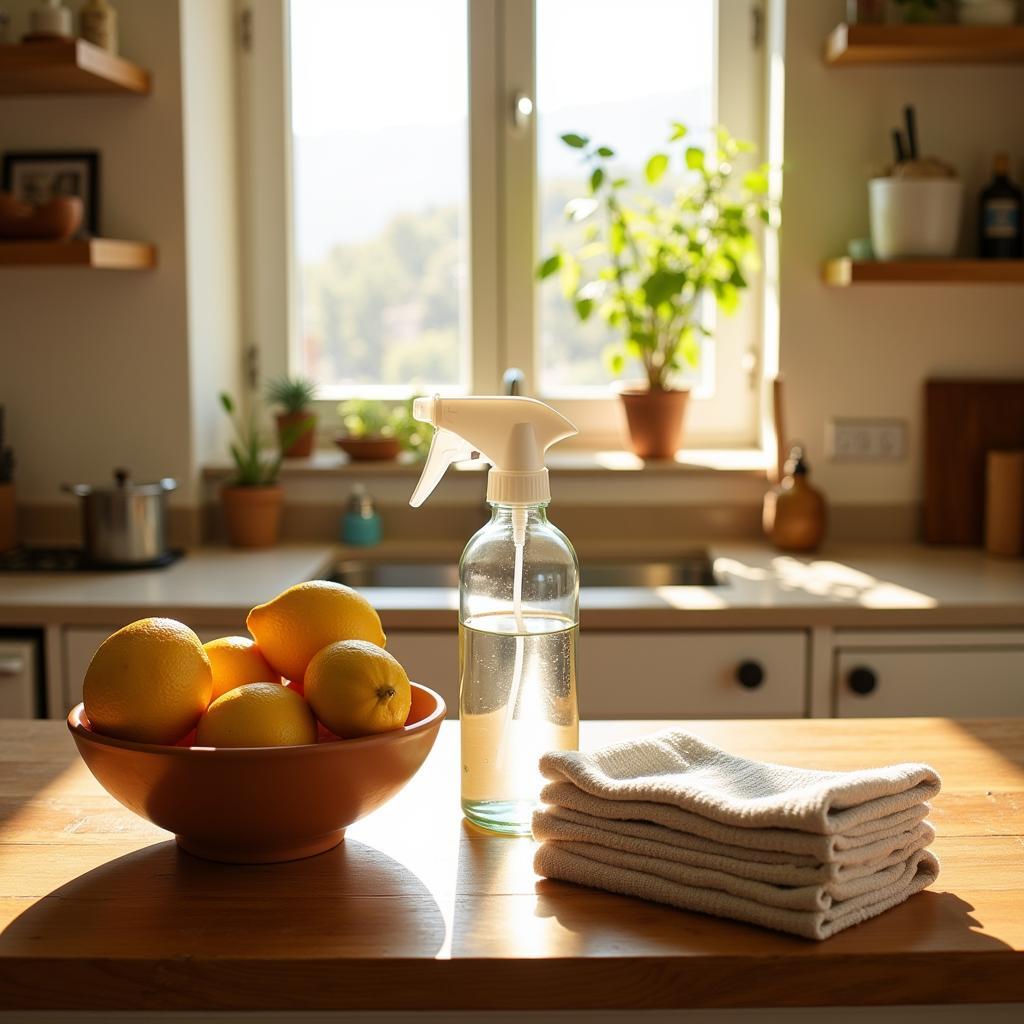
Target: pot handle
{"points": [[169, 483], [79, 490]]}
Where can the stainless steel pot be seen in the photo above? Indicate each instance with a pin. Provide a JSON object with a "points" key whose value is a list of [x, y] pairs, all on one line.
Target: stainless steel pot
{"points": [[125, 524]]}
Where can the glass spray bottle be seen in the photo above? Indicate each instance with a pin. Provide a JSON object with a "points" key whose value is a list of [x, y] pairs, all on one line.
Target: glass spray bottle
{"points": [[518, 606]]}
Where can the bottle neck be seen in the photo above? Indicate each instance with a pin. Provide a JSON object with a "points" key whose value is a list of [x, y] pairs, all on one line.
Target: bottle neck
{"points": [[501, 513]]}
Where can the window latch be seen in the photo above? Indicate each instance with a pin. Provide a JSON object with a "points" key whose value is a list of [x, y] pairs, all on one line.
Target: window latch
{"points": [[522, 110]]}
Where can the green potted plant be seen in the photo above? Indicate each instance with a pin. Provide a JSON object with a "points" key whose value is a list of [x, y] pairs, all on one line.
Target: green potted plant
{"points": [[8, 513], [253, 498], [293, 397], [376, 430], [650, 263]]}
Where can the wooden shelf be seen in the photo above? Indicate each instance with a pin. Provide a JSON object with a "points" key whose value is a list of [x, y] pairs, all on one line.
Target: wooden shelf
{"points": [[850, 45], [844, 272], [97, 253], [67, 66]]}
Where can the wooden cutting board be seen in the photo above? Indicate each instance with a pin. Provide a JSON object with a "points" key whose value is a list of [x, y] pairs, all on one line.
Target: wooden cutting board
{"points": [[964, 419]]}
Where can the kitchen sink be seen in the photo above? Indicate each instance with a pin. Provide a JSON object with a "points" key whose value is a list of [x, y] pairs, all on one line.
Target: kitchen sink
{"points": [[692, 569]]}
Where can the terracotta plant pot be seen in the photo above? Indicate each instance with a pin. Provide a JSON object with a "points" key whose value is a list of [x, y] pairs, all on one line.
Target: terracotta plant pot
{"points": [[655, 420], [369, 449], [252, 515], [8, 518], [302, 446]]}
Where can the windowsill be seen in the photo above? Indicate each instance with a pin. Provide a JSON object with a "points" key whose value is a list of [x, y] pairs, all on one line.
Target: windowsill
{"points": [[748, 462]]}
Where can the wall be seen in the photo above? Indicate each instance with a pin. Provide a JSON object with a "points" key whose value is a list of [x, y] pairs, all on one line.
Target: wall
{"points": [[104, 369], [866, 351]]}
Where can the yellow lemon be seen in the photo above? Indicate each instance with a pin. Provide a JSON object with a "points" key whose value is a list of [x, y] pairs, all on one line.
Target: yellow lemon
{"points": [[257, 715], [235, 661], [356, 688], [148, 682], [306, 618]]}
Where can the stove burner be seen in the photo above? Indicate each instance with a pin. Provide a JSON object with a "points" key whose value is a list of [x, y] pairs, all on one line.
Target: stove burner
{"points": [[25, 559]]}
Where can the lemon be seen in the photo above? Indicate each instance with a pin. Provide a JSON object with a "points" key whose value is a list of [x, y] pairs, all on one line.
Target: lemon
{"points": [[257, 715], [306, 618], [235, 661], [148, 682], [356, 689]]}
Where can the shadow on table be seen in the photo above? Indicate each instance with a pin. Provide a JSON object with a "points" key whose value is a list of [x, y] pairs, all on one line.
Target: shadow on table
{"points": [[164, 903]]}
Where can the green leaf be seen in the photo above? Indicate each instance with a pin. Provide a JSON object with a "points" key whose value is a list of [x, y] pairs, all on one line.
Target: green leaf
{"points": [[656, 168], [584, 307], [596, 178], [620, 182], [605, 151], [615, 359], [616, 238], [549, 266], [227, 403], [695, 158], [678, 131], [756, 181], [576, 141], [662, 286]]}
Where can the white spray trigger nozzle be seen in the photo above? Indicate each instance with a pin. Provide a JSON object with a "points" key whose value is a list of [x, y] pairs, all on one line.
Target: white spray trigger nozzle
{"points": [[512, 433]]}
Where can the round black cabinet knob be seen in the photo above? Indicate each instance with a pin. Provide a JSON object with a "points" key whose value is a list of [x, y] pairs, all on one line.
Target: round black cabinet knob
{"points": [[862, 680], [750, 674]]}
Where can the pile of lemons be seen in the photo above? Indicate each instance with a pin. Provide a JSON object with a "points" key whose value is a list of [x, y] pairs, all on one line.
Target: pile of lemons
{"points": [[315, 670]]}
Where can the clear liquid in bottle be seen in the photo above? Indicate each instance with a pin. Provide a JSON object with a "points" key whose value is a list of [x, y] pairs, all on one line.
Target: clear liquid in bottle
{"points": [[501, 782]]}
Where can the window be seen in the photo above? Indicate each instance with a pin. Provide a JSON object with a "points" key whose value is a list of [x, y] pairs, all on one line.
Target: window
{"points": [[407, 174]]}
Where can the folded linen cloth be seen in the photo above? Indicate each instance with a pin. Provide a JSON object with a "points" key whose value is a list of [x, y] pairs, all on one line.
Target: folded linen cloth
{"points": [[562, 824], [558, 860], [856, 847], [684, 772]]}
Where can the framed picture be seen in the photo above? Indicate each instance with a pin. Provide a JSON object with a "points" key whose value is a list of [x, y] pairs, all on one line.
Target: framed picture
{"points": [[36, 177]]}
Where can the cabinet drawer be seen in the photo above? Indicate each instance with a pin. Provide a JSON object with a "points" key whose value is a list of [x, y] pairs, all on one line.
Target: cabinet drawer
{"points": [[692, 675], [958, 682]]}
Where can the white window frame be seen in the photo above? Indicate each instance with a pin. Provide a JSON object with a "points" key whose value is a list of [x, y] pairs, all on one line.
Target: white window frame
{"points": [[503, 242]]}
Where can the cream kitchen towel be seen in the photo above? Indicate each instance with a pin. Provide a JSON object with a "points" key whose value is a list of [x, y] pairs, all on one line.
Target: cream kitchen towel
{"points": [[643, 839], [823, 896], [859, 846], [681, 771], [557, 860]]}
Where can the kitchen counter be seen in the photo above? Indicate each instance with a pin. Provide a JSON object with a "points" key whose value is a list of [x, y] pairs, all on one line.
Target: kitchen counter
{"points": [[415, 910], [845, 586]]}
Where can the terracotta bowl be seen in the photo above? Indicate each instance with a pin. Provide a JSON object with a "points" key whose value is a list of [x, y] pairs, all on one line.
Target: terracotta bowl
{"points": [[369, 449], [256, 805]]}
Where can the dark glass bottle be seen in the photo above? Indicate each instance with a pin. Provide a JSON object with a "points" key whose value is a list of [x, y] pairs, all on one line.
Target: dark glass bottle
{"points": [[999, 227]]}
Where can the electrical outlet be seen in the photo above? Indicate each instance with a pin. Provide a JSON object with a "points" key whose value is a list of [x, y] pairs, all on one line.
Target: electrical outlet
{"points": [[864, 440]]}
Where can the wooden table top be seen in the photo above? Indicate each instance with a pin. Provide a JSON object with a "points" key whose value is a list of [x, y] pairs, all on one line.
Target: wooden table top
{"points": [[99, 910]]}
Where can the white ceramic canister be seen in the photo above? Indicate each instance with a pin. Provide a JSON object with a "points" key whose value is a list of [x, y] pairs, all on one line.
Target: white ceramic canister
{"points": [[915, 217]]}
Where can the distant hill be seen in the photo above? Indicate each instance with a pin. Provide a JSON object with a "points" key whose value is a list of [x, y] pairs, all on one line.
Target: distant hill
{"points": [[349, 179]]}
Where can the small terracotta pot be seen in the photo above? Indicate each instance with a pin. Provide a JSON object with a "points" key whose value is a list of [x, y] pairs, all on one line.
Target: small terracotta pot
{"points": [[302, 446], [252, 515], [655, 420], [369, 449], [8, 518]]}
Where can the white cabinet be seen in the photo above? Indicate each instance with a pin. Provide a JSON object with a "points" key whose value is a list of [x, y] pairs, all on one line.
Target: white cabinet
{"points": [[431, 659], [954, 673], [729, 674], [80, 645]]}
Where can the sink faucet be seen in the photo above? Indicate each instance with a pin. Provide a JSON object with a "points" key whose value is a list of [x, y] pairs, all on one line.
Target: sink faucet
{"points": [[512, 381]]}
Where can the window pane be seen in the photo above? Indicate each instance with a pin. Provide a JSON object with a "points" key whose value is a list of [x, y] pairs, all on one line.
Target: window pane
{"points": [[618, 72], [379, 122]]}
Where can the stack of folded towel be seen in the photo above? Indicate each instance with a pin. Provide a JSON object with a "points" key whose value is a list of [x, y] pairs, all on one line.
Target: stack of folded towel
{"points": [[673, 819]]}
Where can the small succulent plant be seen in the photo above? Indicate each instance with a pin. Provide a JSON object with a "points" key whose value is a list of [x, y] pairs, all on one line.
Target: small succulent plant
{"points": [[292, 394], [6, 454]]}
